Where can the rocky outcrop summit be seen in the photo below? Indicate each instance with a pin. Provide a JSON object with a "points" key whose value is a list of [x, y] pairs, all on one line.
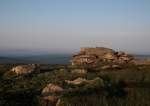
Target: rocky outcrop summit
{"points": [[94, 55]]}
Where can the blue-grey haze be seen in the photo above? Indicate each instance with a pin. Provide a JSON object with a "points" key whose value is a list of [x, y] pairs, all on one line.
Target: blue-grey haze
{"points": [[63, 26]]}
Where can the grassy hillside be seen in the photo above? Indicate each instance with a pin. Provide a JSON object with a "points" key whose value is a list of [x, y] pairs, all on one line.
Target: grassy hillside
{"points": [[128, 86]]}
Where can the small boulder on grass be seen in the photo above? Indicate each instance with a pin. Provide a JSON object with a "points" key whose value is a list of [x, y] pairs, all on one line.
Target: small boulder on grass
{"points": [[51, 94], [78, 81], [52, 89], [81, 81], [25, 69]]}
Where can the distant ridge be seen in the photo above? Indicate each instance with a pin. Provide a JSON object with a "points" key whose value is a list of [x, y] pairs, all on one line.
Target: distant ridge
{"points": [[41, 59], [45, 59], [10, 60]]}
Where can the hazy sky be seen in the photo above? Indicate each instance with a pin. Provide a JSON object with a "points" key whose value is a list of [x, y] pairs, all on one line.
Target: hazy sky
{"points": [[66, 25]]}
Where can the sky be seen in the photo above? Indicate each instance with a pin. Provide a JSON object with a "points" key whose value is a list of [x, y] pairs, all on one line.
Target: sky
{"points": [[63, 26]]}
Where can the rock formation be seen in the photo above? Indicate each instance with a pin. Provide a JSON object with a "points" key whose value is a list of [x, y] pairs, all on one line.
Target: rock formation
{"points": [[93, 55]]}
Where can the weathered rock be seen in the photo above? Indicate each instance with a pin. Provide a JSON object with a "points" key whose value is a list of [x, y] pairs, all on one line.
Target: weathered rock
{"points": [[51, 94], [82, 81], [109, 57], [78, 81], [84, 59], [52, 89], [58, 102], [24, 69]]}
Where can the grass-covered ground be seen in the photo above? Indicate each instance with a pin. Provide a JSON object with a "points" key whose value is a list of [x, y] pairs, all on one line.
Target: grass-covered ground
{"points": [[126, 86]]}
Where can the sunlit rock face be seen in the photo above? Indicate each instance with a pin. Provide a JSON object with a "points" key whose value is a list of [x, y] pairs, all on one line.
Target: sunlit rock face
{"points": [[94, 55]]}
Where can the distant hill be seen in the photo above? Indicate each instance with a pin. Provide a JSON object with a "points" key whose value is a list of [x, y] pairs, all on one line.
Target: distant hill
{"points": [[10, 60], [41, 59]]}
